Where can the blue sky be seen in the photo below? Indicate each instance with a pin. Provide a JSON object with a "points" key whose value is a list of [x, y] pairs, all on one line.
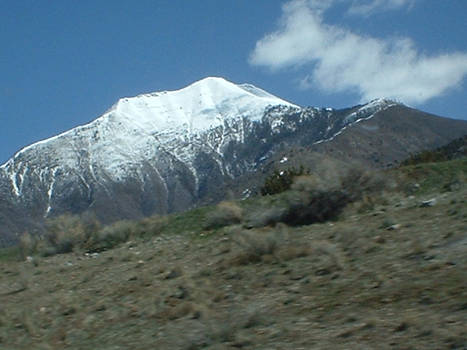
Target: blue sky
{"points": [[64, 63]]}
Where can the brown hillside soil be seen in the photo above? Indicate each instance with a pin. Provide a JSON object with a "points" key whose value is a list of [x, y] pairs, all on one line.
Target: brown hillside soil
{"points": [[391, 277]]}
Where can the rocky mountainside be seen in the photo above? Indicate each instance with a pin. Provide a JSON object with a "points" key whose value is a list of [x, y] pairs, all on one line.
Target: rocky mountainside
{"points": [[169, 151]]}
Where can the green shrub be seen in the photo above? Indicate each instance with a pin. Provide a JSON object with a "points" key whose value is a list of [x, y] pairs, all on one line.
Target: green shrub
{"points": [[424, 157], [455, 149], [280, 181], [302, 205], [315, 206], [311, 199]]}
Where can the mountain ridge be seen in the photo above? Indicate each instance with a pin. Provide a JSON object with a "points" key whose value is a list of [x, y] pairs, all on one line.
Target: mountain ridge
{"points": [[201, 86], [163, 152]]}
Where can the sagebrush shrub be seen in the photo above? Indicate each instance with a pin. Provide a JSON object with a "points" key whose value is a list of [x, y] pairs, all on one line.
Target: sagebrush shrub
{"points": [[225, 214], [358, 182], [315, 206], [307, 183], [267, 216], [267, 245], [27, 245], [312, 198], [62, 234], [255, 244], [111, 235], [299, 208]]}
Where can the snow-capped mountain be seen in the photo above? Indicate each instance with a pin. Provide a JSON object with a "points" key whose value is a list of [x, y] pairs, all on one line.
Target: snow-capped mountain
{"points": [[161, 152], [128, 132]]}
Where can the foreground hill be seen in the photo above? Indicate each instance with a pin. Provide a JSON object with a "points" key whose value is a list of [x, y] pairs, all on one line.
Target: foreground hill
{"points": [[388, 273], [170, 151]]}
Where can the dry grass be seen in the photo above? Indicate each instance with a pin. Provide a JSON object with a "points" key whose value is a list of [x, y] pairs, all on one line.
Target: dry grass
{"points": [[268, 245], [346, 284], [71, 233]]}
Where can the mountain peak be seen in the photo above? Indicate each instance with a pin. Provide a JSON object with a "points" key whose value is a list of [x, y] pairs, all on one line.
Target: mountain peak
{"points": [[217, 85], [200, 106], [212, 80]]}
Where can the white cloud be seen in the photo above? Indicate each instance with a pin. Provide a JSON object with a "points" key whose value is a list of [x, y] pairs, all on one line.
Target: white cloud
{"points": [[338, 60], [365, 8]]}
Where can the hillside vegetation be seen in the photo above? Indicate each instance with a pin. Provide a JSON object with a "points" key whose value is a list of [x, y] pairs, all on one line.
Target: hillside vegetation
{"points": [[453, 150], [357, 260]]}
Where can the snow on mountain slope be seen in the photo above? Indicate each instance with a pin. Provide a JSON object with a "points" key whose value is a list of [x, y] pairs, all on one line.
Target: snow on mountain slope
{"points": [[198, 107], [369, 109], [157, 130], [127, 132]]}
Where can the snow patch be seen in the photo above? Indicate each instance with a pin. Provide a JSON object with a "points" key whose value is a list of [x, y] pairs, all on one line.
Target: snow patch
{"points": [[361, 114], [373, 107], [50, 192], [12, 177], [246, 194]]}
